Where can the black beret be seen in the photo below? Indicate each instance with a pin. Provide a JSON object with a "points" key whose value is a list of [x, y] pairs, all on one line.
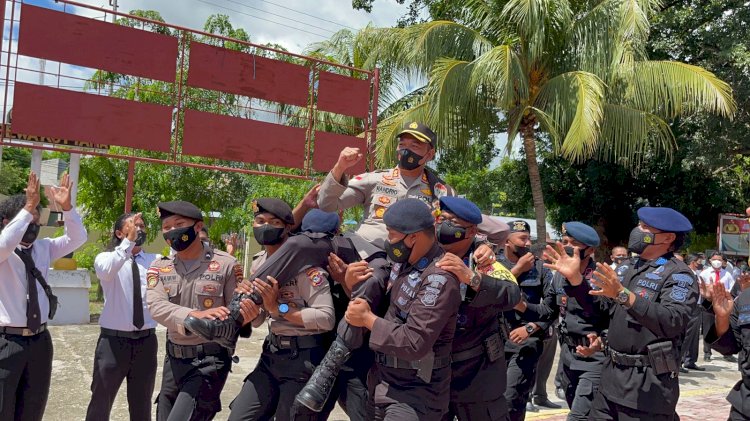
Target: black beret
{"points": [[581, 232], [519, 226], [275, 207], [179, 207], [462, 208], [408, 216], [420, 131], [318, 221], [665, 219]]}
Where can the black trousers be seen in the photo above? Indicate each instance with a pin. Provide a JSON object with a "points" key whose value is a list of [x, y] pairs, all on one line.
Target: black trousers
{"points": [[521, 376], [690, 346], [116, 359], [707, 320], [605, 410], [580, 386], [269, 390], [544, 366], [350, 389], [25, 371], [406, 412], [477, 411], [191, 387]]}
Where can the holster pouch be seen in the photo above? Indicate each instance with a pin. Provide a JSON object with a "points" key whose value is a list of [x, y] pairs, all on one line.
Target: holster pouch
{"points": [[424, 369], [662, 358], [493, 347], [504, 327]]}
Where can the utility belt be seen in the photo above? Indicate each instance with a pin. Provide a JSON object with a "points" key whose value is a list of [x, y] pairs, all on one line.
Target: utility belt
{"points": [[492, 346], [22, 331], [423, 366], [661, 357], [194, 351], [295, 342], [135, 334]]}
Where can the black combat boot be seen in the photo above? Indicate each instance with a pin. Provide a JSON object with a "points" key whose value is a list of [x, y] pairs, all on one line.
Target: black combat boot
{"points": [[223, 332], [315, 393]]}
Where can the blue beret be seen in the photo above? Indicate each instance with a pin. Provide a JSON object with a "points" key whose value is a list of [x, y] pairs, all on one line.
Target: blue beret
{"points": [[408, 216], [179, 207], [665, 219], [318, 221], [581, 232], [462, 208]]}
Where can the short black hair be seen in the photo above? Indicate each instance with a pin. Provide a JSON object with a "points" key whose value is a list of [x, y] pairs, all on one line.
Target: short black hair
{"points": [[10, 207], [692, 257], [204, 229], [716, 253], [679, 241]]}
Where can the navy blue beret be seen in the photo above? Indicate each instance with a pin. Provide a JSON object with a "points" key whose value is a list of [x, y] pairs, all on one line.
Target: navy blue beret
{"points": [[179, 207], [408, 216], [665, 219], [462, 208], [275, 207], [581, 232], [318, 221]]}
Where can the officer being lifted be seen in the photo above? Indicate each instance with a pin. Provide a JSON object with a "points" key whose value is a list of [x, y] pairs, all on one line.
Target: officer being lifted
{"points": [[584, 317], [655, 295], [524, 344], [478, 358], [412, 375], [196, 281]]}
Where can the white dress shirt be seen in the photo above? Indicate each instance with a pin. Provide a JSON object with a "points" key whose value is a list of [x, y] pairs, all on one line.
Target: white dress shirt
{"points": [[709, 277], [115, 272], [13, 283]]}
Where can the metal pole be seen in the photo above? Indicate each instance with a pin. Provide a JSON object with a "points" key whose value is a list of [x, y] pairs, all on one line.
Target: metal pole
{"points": [[74, 169], [129, 186]]}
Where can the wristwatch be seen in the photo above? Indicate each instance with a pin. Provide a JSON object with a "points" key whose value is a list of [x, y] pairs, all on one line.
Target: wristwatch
{"points": [[623, 297], [283, 310], [476, 279], [529, 328]]}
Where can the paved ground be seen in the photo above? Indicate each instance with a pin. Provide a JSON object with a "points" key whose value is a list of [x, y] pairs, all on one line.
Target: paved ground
{"points": [[702, 393]]}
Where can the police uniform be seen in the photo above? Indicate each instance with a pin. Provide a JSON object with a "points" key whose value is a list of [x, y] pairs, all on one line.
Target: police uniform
{"points": [[26, 360], [378, 190], [478, 357], [582, 314], [733, 341], [644, 340], [194, 368], [522, 359], [290, 352], [127, 343]]}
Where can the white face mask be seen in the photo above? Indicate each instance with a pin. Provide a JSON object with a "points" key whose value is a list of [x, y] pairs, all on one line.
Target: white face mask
{"points": [[716, 264]]}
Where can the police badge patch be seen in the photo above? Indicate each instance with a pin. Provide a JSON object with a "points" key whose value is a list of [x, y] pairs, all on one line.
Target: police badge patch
{"points": [[429, 299], [152, 277], [679, 294]]}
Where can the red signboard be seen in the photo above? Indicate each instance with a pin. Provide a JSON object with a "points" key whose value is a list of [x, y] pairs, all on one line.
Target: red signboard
{"points": [[343, 95], [329, 145]]}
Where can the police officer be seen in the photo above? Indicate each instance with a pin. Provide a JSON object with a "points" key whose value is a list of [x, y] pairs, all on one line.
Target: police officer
{"points": [[524, 344], [300, 312], [584, 316], [196, 281], [411, 377], [127, 343], [478, 358], [655, 295], [730, 334], [26, 300], [379, 190]]}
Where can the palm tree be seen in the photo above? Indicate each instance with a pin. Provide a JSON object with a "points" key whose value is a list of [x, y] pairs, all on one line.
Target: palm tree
{"points": [[573, 72]]}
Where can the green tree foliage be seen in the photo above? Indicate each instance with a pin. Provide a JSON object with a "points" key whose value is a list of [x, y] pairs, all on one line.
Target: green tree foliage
{"points": [[14, 170]]}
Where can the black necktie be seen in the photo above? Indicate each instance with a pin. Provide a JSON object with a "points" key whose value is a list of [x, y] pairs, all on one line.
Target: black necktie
{"points": [[33, 320], [137, 299]]}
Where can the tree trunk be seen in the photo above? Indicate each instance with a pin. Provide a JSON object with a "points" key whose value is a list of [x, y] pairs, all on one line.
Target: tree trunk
{"points": [[529, 146]]}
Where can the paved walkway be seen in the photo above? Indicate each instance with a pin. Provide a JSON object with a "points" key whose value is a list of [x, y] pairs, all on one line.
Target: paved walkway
{"points": [[702, 393]]}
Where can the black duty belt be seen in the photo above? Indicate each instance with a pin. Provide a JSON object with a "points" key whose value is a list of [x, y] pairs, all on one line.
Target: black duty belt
{"points": [[22, 331], [395, 362], [134, 334], [194, 351], [295, 342], [629, 360], [574, 340], [468, 354]]}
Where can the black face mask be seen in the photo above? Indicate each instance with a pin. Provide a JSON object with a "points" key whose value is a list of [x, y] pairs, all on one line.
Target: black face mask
{"points": [[618, 260], [408, 159], [140, 239], [521, 251], [699, 266], [268, 235], [639, 240], [448, 233], [32, 231], [398, 252], [570, 250], [181, 238]]}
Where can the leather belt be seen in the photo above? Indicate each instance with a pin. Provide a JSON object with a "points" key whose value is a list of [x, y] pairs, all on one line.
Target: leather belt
{"points": [[22, 331], [194, 351], [395, 362], [468, 354], [629, 360], [295, 342], [135, 334]]}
